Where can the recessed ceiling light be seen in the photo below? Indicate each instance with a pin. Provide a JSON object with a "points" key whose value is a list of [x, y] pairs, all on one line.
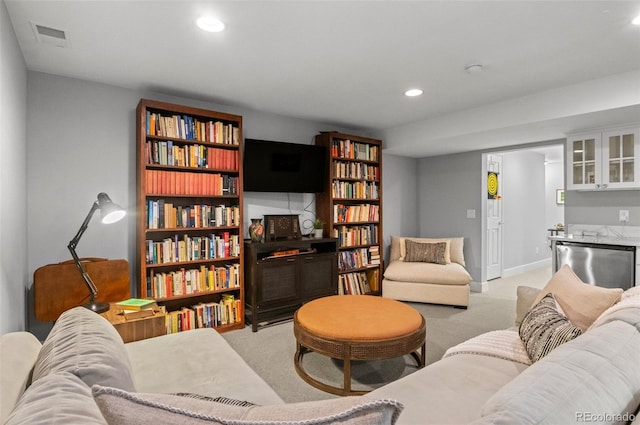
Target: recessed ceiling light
{"points": [[413, 92], [210, 24], [636, 21]]}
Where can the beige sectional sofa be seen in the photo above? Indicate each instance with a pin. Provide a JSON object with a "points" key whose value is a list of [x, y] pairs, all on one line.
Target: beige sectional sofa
{"points": [[427, 282], [594, 378], [84, 374]]}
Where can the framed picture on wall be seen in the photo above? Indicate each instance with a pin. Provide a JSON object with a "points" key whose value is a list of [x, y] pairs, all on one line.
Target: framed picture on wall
{"points": [[560, 196]]}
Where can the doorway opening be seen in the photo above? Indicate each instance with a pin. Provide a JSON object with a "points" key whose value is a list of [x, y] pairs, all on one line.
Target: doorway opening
{"points": [[518, 215]]}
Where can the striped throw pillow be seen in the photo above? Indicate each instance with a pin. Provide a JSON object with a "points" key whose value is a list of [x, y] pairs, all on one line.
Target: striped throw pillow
{"points": [[426, 252], [545, 327]]}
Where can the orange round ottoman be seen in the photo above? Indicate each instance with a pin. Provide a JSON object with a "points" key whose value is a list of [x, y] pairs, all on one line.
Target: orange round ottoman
{"points": [[356, 327]]}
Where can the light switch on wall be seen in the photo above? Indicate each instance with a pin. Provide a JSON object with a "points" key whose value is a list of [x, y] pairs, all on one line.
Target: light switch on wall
{"points": [[471, 213], [624, 216]]}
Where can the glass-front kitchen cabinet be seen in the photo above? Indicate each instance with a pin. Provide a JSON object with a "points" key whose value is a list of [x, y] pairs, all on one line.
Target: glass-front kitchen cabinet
{"points": [[607, 159]]}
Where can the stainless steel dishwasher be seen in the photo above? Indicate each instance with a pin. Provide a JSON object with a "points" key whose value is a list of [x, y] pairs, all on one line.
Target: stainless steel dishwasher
{"points": [[609, 266]]}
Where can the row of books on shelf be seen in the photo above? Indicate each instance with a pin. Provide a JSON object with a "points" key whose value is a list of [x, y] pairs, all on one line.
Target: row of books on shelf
{"points": [[359, 283], [354, 150], [193, 281], [358, 258], [166, 215], [355, 170], [183, 183], [205, 315], [354, 190], [193, 248], [366, 234], [355, 213], [166, 153], [192, 128]]}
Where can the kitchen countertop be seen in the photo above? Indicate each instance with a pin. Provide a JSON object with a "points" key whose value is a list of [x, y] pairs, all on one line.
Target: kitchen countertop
{"points": [[604, 240]]}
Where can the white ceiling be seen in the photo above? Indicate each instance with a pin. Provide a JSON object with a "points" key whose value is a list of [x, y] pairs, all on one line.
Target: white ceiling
{"points": [[344, 63]]}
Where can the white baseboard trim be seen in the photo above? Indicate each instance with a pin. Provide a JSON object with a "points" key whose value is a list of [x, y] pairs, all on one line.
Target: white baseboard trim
{"points": [[479, 286], [526, 267]]}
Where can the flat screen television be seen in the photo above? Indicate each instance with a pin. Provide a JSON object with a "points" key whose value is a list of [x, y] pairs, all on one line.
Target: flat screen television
{"points": [[271, 166]]}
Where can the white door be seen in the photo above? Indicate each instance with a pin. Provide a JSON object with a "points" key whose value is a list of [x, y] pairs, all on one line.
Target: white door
{"points": [[494, 216]]}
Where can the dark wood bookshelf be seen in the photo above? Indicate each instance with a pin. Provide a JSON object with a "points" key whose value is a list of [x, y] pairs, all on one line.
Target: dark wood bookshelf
{"points": [[204, 131], [367, 155]]}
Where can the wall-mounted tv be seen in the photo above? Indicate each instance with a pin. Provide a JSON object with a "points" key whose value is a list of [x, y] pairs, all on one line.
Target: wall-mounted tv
{"points": [[271, 166]]}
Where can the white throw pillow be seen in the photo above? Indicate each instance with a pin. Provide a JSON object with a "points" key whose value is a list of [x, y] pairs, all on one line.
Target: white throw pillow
{"points": [[581, 303], [123, 408]]}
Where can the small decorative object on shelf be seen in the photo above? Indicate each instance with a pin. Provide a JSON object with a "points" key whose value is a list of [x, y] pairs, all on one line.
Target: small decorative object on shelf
{"points": [[318, 228], [256, 230], [282, 227]]}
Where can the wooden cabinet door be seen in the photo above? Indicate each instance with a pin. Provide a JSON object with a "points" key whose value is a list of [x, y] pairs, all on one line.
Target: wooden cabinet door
{"points": [[318, 276], [277, 283]]}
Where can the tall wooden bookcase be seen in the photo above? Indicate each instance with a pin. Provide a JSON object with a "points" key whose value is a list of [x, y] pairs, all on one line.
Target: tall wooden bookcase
{"points": [[189, 214], [351, 208]]}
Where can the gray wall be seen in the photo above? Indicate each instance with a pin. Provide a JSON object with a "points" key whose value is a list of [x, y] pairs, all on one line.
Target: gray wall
{"points": [[81, 141], [448, 186], [523, 198], [400, 201], [13, 180], [601, 207]]}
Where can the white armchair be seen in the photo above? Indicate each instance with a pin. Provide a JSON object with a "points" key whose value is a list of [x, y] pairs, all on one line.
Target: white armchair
{"points": [[427, 270]]}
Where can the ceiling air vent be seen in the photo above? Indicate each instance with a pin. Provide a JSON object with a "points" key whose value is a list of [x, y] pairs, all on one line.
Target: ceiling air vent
{"points": [[48, 35]]}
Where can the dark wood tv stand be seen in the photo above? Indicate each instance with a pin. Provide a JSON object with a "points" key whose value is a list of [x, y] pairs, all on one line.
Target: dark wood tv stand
{"points": [[276, 285]]}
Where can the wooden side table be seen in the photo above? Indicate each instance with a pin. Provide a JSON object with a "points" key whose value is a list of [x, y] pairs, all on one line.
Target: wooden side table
{"points": [[139, 328]]}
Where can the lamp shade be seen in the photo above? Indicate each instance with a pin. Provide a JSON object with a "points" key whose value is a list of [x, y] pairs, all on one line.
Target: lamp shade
{"points": [[109, 211]]}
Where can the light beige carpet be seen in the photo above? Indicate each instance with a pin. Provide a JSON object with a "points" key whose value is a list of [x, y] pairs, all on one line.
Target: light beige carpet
{"points": [[270, 350]]}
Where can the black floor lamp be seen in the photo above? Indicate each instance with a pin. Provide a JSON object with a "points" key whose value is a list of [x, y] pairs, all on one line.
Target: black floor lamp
{"points": [[110, 214]]}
